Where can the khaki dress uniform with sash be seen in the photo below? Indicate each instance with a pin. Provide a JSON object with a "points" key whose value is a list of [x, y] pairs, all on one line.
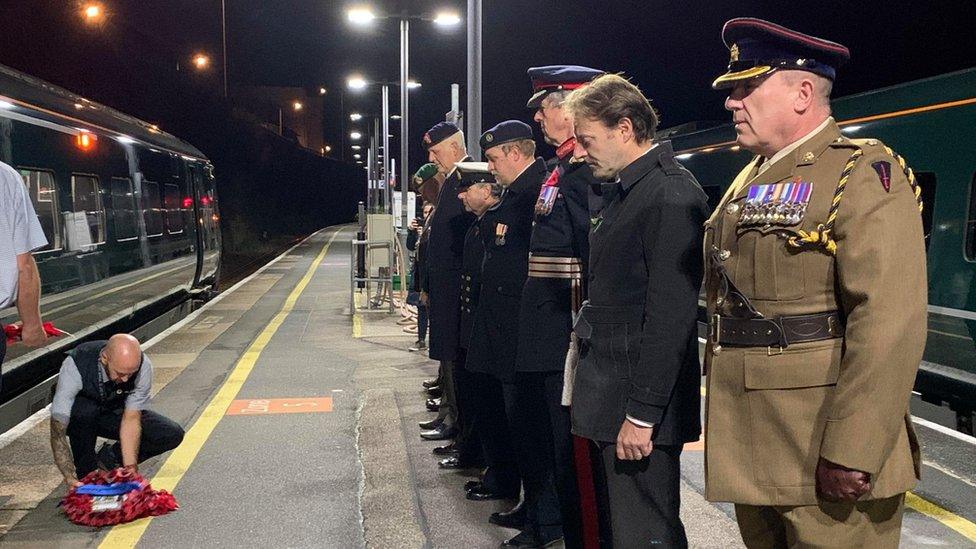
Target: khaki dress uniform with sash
{"points": [[816, 294]]}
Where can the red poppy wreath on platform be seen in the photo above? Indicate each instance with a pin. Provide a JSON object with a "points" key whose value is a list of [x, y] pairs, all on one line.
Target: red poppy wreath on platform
{"points": [[113, 497]]}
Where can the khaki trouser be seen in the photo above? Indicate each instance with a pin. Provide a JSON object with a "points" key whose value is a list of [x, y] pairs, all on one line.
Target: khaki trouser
{"points": [[870, 524]]}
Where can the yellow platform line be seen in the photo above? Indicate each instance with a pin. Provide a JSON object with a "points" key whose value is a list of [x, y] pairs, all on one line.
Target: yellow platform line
{"points": [[357, 319], [963, 526], [173, 469]]}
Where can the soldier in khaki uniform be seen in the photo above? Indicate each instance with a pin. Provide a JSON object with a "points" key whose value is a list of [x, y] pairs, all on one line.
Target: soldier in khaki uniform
{"points": [[816, 290]]}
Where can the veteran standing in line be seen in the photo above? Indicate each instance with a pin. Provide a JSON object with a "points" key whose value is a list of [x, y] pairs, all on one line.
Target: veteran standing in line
{"points": [[636, 392], [445, 147], [816, 291]]}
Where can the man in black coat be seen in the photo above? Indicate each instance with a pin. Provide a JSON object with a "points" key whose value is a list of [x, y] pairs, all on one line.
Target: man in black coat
{"points": [[636, 392], [505, 228], [445, 146]]}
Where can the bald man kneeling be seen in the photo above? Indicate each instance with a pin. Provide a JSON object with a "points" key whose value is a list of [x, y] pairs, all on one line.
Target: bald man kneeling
{"points": [[102, 391]]}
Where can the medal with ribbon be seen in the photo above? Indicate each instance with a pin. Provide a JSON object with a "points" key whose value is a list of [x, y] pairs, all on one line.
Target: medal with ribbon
{"points": [[782, 204]]}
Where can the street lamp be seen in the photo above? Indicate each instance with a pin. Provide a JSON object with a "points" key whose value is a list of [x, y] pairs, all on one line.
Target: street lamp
{"points": [[355, 136], [323, 91], [355, 117], [356, 147], [94, 13], [356, 82], [201, 61], [363, 15], [297, 105]]}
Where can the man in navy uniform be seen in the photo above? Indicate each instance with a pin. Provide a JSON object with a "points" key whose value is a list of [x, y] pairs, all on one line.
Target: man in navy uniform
{"points": [[636, 392], [505, 229], [445, 146], [554, 288]]}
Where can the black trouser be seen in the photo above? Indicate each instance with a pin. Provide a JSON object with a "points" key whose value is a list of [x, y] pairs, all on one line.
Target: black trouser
{"points": [[644, 498], [468, 439], [422, 322], [159, 434], [494, 402], [545, 445], [448, 411]]}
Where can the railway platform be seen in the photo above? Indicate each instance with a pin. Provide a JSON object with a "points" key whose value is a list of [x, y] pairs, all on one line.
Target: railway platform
{"points": [[301, 425]]}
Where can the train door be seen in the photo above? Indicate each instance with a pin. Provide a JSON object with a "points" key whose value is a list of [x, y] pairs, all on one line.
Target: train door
{"points": [[207, 223]]}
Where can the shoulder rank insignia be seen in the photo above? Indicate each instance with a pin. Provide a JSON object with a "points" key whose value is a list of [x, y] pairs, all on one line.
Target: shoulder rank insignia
{"points": [[500, 230], [778, 204], [884, 173]]}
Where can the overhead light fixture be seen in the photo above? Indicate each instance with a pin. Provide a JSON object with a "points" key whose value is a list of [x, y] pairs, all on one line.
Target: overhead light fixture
{"points": [[447, 19], [395, 117], [323, 91], [412, 84], [355, 135], [356, 147], [297, 105], [357, 156], [355, 117], [361, 16], [356, 82]]}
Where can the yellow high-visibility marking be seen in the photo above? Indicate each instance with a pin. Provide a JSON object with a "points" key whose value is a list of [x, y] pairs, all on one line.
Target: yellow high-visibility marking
{"points": [[951, 520], [357, 319], [169, 475]]}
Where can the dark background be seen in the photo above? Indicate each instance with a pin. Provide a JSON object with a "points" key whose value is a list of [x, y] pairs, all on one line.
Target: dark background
{"points": [[671, 49]]}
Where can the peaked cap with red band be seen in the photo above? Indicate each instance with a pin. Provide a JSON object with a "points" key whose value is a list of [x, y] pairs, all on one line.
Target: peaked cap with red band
{"points": [[550, 78], [758, 47]]}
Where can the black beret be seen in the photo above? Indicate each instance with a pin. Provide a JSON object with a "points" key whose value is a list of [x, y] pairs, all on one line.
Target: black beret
{"points": [[472, 173], [548, 79], [758, 47], [505, 132], [440, 132]]}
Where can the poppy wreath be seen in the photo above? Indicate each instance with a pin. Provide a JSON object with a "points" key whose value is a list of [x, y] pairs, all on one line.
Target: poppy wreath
{"points": [[139, 502]]}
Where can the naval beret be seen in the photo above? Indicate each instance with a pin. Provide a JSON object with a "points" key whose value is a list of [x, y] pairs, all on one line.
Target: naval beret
{"points": [[438, 133], [550, 78], [426, 171], [505, 132], [758, 47], [472, 173]]}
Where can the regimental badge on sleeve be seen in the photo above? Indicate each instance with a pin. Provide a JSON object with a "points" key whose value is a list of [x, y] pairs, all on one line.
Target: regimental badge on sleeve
{"points": [[782, 204], [884, 173]]}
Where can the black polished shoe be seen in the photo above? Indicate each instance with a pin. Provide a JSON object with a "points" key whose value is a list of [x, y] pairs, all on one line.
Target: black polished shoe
{"points": [[431, 383], [482, 493], [433, 404], [455, 462], [435, 392], [432, 424], [523, 539], [442, 432], [471, 485], [446, 450], [513, 518]]}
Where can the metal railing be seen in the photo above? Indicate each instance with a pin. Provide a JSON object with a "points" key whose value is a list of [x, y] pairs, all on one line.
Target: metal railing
{"points": [[383, 282]]}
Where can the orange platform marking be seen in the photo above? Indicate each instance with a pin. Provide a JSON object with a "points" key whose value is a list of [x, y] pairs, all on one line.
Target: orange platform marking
{"points": [[264, 406]]}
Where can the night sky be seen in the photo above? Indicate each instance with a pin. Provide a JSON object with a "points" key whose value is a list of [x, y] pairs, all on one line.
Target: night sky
{"points": [[671, 49]]}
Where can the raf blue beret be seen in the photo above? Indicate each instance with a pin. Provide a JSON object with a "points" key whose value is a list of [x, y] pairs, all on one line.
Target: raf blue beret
{"points": [[472, 173], [440, 132], [505, 132], [758, 47], [548, 79]]}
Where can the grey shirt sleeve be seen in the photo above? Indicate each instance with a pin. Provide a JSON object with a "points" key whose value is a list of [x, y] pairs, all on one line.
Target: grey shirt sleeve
{"points": [[139, 397], [69, 385]]}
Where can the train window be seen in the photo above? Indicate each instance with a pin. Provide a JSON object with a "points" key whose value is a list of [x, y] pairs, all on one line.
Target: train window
{"points": [[926, 180], [152, 209], [971, 222], [44, 197], [174, 211], [124, 209], [88, 212]]}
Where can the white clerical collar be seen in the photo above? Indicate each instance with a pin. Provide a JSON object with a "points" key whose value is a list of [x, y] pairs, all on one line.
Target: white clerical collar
{"points": [[793, 146]]}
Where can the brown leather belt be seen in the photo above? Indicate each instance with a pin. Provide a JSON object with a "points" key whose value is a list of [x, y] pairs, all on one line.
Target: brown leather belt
{"points": [[774, 332], [555, 267]]}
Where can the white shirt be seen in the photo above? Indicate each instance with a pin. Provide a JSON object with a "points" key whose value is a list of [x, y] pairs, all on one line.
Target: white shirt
{"points": [[20, 231]]}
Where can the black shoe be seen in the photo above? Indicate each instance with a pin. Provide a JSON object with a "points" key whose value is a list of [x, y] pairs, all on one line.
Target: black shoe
{"points": [[446, 450], [435, 391], [432, 424], [431, 383], [524, 539], [442, 432], [420, 345], [455, 462], [471, 485], [433, 404], [482, 493], [514, 518]]}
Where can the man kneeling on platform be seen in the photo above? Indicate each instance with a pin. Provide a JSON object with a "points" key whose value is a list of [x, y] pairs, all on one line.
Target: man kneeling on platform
{"points": [[102, 391]]}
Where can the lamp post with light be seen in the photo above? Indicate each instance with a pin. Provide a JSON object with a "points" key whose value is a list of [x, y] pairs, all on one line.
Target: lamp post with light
{"points": [[365, 16]]}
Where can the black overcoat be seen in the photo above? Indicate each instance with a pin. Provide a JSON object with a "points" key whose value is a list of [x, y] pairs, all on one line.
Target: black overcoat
{"points": [[641, 355], [492, 348], [445, 247]]}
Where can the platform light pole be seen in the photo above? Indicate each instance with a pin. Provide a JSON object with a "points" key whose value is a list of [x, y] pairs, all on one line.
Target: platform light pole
{"points": [[365, 16]]}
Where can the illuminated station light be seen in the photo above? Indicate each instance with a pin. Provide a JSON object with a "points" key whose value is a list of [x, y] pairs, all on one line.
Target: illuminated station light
{"points": [[201, 61]]}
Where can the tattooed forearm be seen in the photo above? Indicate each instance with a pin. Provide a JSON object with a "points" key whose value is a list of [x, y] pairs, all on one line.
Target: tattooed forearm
{"points": [[62, 452]]}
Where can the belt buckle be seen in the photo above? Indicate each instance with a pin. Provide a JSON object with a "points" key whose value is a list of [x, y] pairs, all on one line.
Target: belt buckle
{"points": [[715, 329], [773, 351]]}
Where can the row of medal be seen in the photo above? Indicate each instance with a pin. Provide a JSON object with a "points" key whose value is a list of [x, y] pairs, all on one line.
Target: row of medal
{"points": [[778, 204]]}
